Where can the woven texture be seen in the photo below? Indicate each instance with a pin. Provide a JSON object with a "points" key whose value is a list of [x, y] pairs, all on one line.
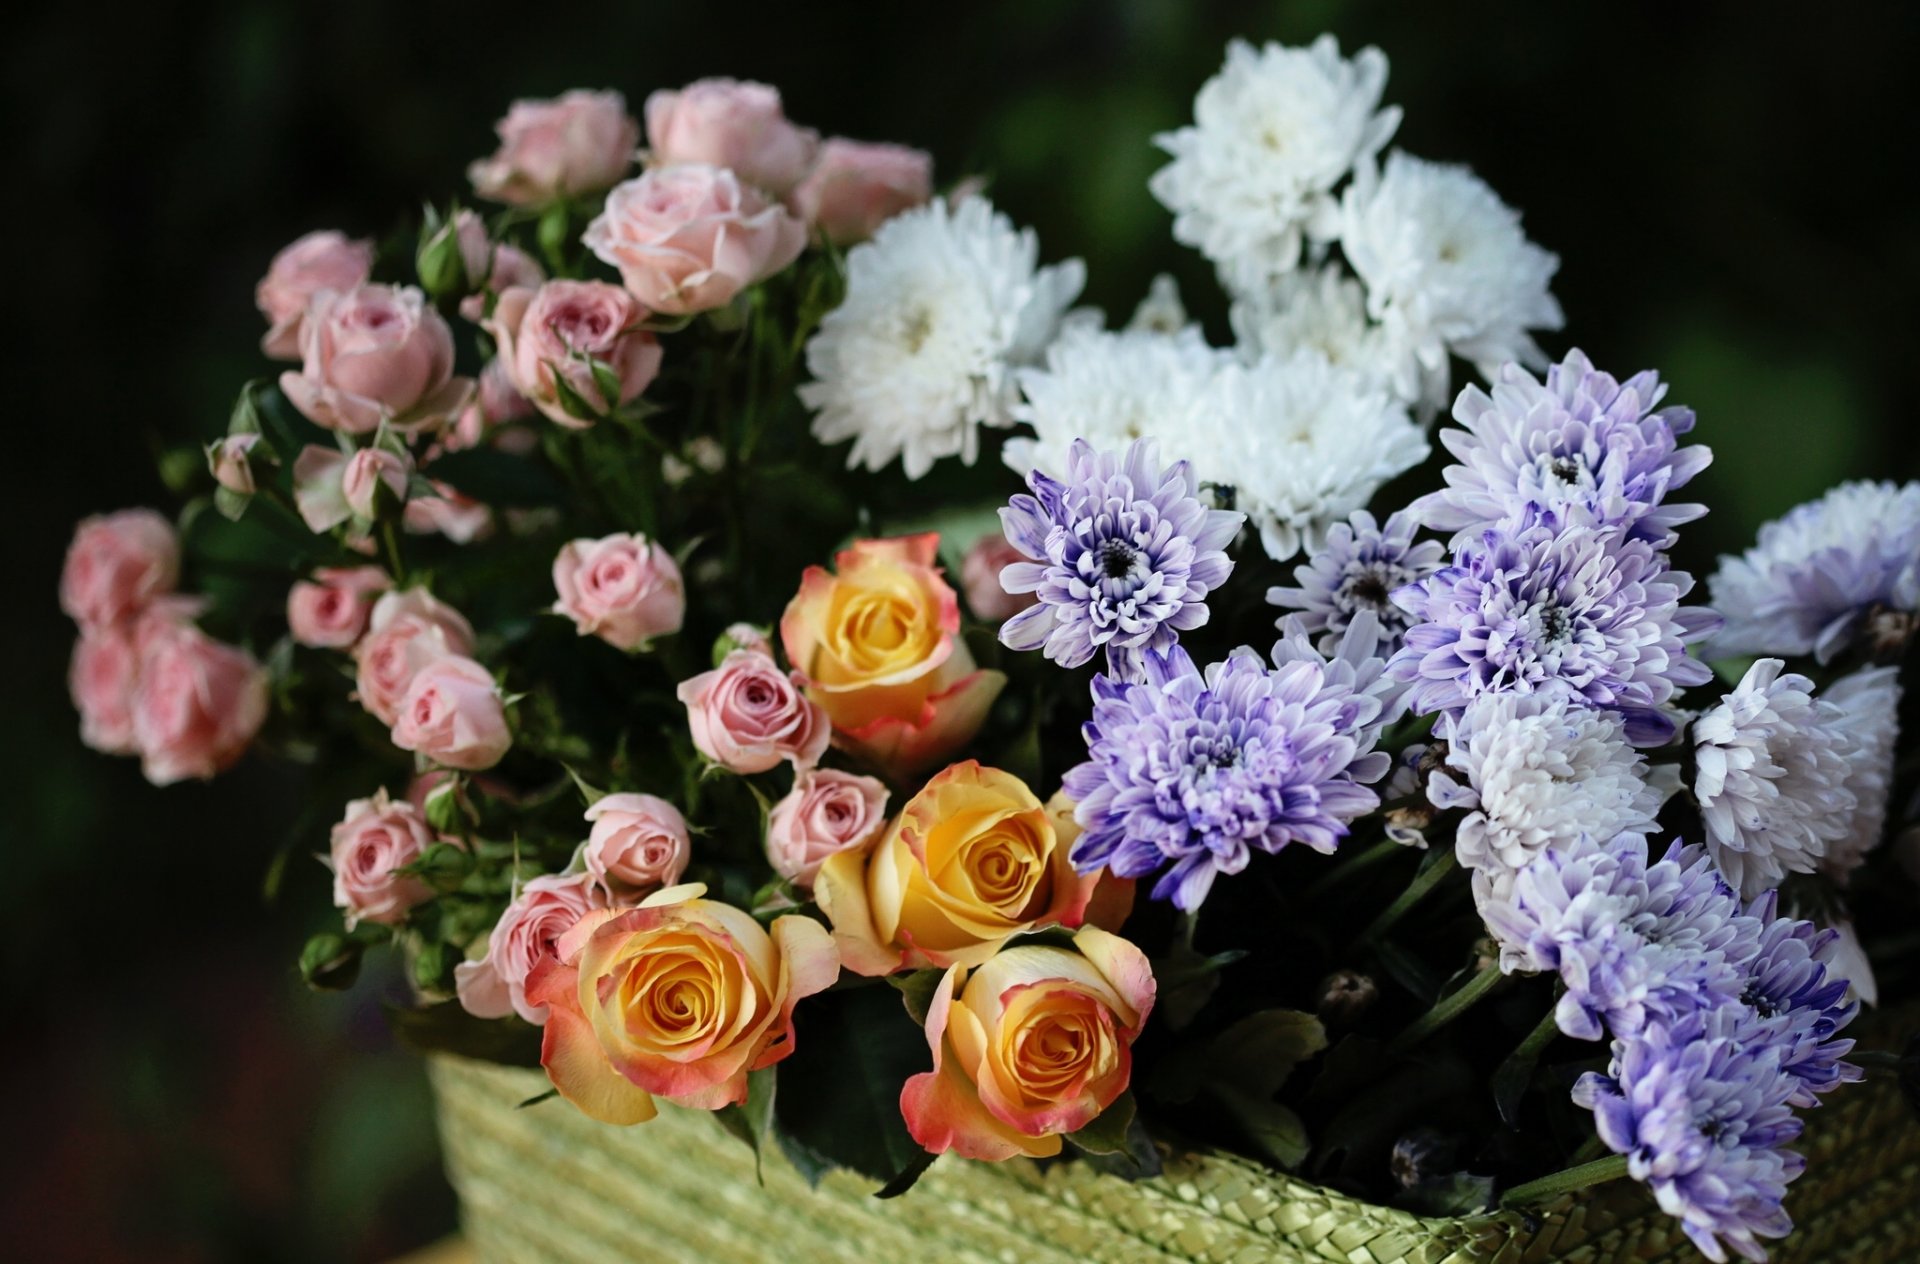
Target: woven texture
{"points": [[546, 1184]]}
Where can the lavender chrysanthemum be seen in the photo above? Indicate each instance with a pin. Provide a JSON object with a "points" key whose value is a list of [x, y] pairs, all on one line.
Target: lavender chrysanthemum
{"points": [[1772, 768], [1359, 567], [1190, 774], [1703, 1117], [1798, 1001], [1580, 438], [1814, 577], [1554, 605], [1124, 556], [1357, 662]]}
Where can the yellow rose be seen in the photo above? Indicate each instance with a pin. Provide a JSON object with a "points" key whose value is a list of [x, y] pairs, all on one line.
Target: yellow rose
{"points": [[972, 860], [1030, 1048], [878, 647]]}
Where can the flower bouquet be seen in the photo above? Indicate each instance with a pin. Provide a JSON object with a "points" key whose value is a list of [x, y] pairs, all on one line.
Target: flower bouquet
{"points": [[1358, 884]]}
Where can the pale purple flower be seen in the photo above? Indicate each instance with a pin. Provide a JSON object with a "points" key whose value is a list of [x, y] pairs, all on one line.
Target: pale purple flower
{"points": [[1190, 774], [1124, 554], [1556, 605], [1358, 568], [1357, 662], [1814, 577], [1798, 1000], [1703, 1115], [1582, 438]]}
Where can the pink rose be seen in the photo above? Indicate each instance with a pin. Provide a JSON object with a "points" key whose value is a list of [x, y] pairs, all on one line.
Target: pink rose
{"points": [[452, 713], [639, 844], [325, 260], [230, 461], [497, 400], [827, 811], [491, 267], [198, 703], [407, 630], [859, 185], [367, 472], [581, 142], [102, 678], [743, 636], [461, 519], [330, 611], [747, 716], [624, 589], [546, 908], [561, 329], [371, 354], [980, 579], [688, 238], [116, 564], [376, 837], [734, 124]]}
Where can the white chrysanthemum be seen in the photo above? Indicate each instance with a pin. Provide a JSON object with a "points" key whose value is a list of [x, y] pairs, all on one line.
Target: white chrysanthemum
{"points": [[1161, 311], [1273, 132], [1318, 309], [1448, 270], [1773, 768], [1869, 705], [942, 307], [1113, 388], [1537, 771], [1303, 443]]}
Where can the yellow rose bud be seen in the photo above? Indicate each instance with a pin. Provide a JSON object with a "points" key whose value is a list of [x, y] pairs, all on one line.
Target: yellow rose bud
{"points": [[972, 860], [878, 648]]}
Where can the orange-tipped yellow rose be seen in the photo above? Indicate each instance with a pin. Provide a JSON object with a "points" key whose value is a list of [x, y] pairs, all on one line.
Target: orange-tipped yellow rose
{"points": [[1030, 1047], [679, 998], [878, 647], [973, 860]]}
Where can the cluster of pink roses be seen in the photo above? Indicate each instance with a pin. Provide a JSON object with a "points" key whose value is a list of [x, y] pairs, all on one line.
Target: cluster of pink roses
{"points": [[145, 680]]}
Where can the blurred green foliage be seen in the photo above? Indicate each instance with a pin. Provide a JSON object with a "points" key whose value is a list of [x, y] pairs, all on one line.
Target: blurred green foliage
{"points": [[1726, 187]]}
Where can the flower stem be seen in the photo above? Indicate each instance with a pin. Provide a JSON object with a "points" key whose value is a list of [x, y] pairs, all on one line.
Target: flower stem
{"points": [[392, 540], [1448, 1008], [1611, 1168], [1439, 866], [1360, 863]]}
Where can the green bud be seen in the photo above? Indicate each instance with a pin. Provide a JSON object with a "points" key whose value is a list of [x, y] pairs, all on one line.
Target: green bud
{"points": [[330, 962], [555, 222], [741, 636], [182, 468], [433, 966], [442, 268], [245, 418], [443, 806]]}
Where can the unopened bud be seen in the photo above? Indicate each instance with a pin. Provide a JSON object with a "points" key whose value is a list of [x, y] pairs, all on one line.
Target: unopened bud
{"points": [[741, 636], [442, 806], [432, 966], [1422, 1155], [441, 266], [1345, 996], [1886, 634]]}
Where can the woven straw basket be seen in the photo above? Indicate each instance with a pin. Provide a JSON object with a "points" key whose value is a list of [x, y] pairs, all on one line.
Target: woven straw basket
{"points": [[548, 1184]]}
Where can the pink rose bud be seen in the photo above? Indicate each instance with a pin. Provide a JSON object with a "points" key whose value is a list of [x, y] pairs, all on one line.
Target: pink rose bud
{"points": [[734, 124], [461, 519], [581, 142], [827, 811], [624, 589], [116, 564], [639, 844], [490, 267], [230, 461], [562, 329], [747, 716], [980, 579], [452, 714], [371, 354], [688, 238], [374, 477], [546, 908], [376, 837], [198, 704], [858, 186], [319, 261], [742, 636], [330, 611], [407, 631], [103, 677]]}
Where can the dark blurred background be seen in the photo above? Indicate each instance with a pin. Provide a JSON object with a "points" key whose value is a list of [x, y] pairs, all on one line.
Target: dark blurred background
{"points": [[1728, 192]]}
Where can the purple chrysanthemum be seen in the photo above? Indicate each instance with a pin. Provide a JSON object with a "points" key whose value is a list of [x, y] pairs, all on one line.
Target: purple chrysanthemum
{"points": [[1358, 568], [1703, 1117], [1799, 1002], [1815, 576], [1124, 556], [1553, 603], [1582, 438], [1192, 773]]}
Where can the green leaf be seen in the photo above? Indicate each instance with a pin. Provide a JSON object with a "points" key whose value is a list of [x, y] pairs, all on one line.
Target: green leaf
{"points": [[537, 1098], [1258, 1053], [916, 988], [1106, 1133], [231, 504], [330, 962], [448, 1028], [498, 478], [572, 402], [1274, 1129], [1408, 970], [591, 793], [606, 380], [906, 1177], [1187, 981], [840, 1089], [1132, 1156]]}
